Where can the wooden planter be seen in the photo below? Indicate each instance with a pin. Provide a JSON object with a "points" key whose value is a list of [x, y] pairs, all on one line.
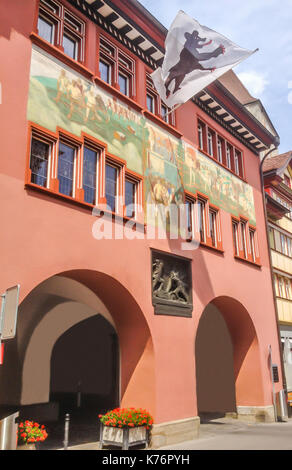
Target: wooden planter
{"points": [[123, 437], [26, 447]]}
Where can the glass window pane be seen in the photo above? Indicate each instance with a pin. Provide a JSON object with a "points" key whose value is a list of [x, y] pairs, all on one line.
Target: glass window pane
{"points": [[189, 218], [243, 239], [150, 103], [235, 237], [123, 82], [251, 236], [89, 175], [130, 191], [164, 114], [212, 217], [201, 217], [66, 169], [111, 175], [70, 47], [271, 238], [104, 70], [45, 29], [39, 162]]}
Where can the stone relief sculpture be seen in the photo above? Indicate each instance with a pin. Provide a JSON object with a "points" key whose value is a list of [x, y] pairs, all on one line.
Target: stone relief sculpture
{"points": [[168, 284]]}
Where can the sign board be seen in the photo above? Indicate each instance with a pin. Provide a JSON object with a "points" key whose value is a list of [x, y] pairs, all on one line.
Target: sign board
{"points": [[9, 310], [290, 397], [275, 373]]}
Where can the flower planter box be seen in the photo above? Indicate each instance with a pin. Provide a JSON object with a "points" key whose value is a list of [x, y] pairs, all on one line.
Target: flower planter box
{"points": [[123, 437], [26, 447]]}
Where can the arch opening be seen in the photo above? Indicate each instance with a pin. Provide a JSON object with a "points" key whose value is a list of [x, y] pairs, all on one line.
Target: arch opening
{"points": [[228, 369], [82, 346]]}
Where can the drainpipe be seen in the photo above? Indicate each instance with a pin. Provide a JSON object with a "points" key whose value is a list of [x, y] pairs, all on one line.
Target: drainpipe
{"points": [[276, 145]]}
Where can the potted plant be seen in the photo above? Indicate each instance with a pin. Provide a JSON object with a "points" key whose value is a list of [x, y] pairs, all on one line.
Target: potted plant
{"points": [[125, 427], [29, 433]]}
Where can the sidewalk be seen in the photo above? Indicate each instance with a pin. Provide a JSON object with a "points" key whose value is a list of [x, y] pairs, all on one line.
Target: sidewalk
{"points": [[230, 434]]}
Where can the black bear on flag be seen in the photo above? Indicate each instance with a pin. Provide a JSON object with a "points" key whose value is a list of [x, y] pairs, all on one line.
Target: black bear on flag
{"points": [[190, 59], [195, 56]]}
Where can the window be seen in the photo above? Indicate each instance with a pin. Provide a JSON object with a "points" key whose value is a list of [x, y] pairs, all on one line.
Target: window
{"points": [[271, 238], [213, 231], [73, 167], [164, 113], [105, 71], [90, 161], [220, 149], [39, 161], [130, 198], [154, 103], [111, 186], [66, 169], [210, 143], [243, 237], [150, 103], [288, 288], [235, 237], [70, 46], [201, 219], [116, 67], [201, 130], [281, 286], [228, 156], [189, 206], [252, 244], [284, 248], [236, 163], [46, 29], [245, 242], [124, 84], [60, 27]]}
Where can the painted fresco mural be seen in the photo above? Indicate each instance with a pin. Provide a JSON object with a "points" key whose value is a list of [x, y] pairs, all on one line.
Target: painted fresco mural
{"points": [[60, 97]]}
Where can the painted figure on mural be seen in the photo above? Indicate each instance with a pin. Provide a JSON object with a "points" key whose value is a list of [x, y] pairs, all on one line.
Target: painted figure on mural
{"points": [[62, 86]]}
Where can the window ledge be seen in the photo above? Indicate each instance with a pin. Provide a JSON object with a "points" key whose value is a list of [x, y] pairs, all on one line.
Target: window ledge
{"points": [[158, 120], [280, 252], [211, 247], [118, 94], [221, 164], [59, 54], [283, 298], [85, 205], [245, 260]]}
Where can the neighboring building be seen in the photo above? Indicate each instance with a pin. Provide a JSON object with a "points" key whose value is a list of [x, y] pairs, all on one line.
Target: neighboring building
{"points": [[278, 186], [181, 327]]}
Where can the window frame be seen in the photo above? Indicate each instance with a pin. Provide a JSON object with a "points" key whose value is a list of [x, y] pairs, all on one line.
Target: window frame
{"points": [[220, 149], [158, 103], [135, 179], [41, 138], [246, 251], [91, 146], [119, 62], [62, 26]]}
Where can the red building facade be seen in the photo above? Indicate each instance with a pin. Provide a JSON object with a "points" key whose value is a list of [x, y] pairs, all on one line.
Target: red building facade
{"points": [[82, 126]]}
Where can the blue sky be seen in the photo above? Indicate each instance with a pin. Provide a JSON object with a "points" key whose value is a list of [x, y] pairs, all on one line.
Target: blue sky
{"points": [[263, 24]]}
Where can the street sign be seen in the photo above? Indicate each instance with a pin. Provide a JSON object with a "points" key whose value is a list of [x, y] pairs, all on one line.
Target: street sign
{"points": [[9, 310]]}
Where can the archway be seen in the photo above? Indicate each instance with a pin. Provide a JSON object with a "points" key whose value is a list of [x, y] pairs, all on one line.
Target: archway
{"points": [[51, 315], [85, 368], [228, 368]]}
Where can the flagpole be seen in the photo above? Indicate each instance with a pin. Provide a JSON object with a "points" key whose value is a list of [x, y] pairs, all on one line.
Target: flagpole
{"points": [[173, 109]]}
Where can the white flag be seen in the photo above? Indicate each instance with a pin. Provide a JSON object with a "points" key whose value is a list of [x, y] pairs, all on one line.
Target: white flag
{"points": [[195, 56]]}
